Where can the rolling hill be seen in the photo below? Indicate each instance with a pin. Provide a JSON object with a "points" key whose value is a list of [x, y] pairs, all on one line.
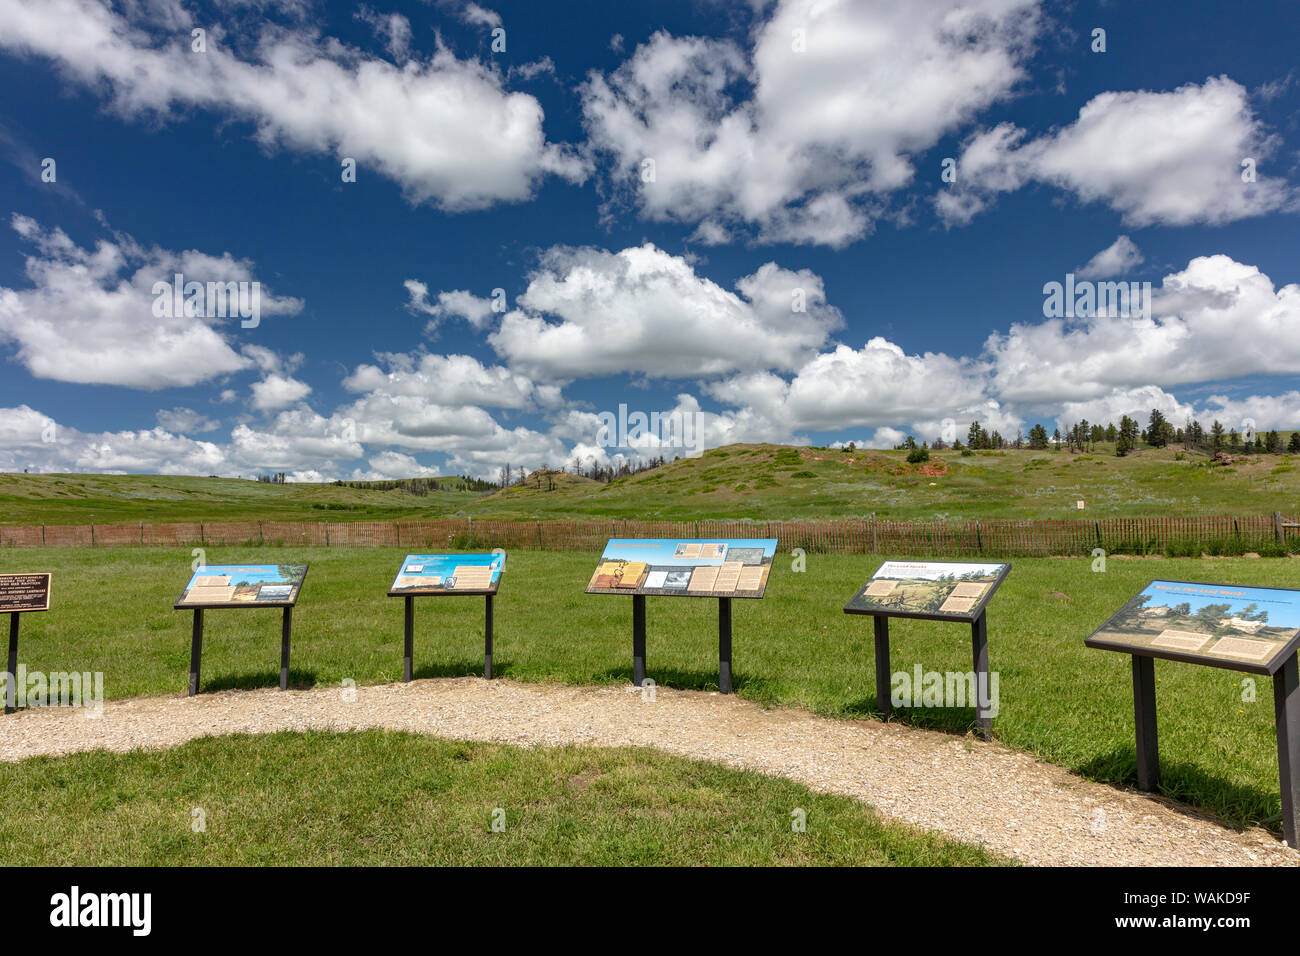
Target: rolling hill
{"points": [[738, 481]]}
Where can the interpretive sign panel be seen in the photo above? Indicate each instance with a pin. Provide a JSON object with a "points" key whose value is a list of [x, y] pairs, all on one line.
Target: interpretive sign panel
{"points": [[20, 593], [947, 590], [1222, 625], [243, 585], [1241, 628], [694, 567], [454, 575], [422, 574]]}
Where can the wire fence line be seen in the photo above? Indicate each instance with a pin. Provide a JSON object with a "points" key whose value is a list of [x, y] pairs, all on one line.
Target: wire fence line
{"points": [[997, 538]]}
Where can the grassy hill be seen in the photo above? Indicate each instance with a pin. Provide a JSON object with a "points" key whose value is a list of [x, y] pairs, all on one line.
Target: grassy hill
{"points": [[754, 481], [115, 499], [772, 481]]}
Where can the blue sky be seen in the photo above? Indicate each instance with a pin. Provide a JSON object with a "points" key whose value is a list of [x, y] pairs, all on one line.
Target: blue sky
{"points": [[797, 152]]}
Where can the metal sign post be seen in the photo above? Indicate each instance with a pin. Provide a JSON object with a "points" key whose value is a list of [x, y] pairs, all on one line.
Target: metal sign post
{"points": [[11, 690]]}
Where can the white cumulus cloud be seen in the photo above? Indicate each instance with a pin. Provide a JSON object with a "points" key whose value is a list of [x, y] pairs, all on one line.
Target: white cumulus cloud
{"points": [[446, 129], [841, 97]]}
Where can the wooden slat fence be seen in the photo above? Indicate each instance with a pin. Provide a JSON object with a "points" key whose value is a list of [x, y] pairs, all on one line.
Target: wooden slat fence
{"points": [[995, 538]]}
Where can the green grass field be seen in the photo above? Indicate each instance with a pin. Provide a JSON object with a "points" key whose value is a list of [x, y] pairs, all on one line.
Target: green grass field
{"points": [[1070, 705], [387, 798], [765, 482]]}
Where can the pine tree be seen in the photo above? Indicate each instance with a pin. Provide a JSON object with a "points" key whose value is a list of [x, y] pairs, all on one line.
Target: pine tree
{"points": [[1157, 434], [1126, 439]]}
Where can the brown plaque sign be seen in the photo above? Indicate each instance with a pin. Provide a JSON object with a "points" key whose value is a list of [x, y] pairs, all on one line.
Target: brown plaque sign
{"points": [[20, 593]]}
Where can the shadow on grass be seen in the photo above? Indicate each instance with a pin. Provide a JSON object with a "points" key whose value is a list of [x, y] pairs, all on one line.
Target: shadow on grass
{"points": [[952, 720], [1191, 791], [466, 668], [298, 680], [676, 678]]}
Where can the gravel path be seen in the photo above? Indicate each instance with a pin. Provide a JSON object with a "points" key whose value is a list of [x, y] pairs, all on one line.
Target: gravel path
{"points": [[968, 789]]}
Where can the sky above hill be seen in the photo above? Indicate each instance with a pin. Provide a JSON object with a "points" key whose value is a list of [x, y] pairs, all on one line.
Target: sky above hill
{"points": [[371, 240]]}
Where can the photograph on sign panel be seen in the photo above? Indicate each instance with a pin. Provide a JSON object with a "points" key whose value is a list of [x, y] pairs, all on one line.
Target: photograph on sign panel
{"points": [[915, 587], [1219, 621]]}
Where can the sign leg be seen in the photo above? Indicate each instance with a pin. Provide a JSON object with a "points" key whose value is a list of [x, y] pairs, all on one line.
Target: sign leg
{"points": [[409, 644], [196, 650], [979, 631], [1286, 709], [724, 645], [638, 639], [285, 629], [1144, 719], [882, 666], [11, 685], [487, 640]]}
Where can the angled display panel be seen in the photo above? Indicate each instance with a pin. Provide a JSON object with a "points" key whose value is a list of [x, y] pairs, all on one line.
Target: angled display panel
{"points": [[687, 567], [1222, 625], [422, 574], [934, 590], [243, 585]]}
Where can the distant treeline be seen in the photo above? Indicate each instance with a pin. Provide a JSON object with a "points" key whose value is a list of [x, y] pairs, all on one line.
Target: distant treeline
{"points": [[422, 486], [510, 477], [1084, 435]]}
